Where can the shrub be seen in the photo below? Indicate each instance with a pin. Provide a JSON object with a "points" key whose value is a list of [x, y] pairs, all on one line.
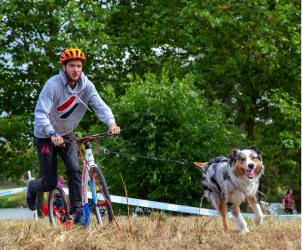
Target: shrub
{"points": [[169, 120], [6, 202]]}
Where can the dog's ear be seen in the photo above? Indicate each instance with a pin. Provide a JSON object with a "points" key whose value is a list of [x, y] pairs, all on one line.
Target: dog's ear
{"points": [[233, 153], [256, 149]]}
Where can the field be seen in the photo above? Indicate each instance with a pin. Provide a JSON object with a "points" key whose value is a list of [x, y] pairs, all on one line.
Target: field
{"points": [[157, 231], [9, 185], [12, 200]]}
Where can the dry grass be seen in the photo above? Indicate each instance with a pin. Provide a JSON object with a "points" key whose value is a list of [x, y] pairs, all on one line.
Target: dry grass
{"points": [[157, 231]]}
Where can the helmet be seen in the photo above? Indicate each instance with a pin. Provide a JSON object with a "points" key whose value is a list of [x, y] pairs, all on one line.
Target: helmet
{"points": [[72, 54]]}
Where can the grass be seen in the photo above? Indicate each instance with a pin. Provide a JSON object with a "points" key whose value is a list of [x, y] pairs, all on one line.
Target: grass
{"points": [[12, 200], [16, 199], [157, 231], [11, 185]]}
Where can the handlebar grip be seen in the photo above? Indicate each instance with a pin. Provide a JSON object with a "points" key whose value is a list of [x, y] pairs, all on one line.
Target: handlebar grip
{"points": [[113, 134], [60, 145]]}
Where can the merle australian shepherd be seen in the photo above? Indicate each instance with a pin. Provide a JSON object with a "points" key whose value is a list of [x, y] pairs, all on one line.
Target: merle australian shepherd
{"points": [[228, 181]]}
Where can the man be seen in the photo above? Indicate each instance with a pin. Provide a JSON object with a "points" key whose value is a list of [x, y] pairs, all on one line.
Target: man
{"points": [[61, 105]]}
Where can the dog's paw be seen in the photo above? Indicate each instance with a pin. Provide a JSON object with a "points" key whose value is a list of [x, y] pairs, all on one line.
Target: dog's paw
{"points": [[258, 220], [245, 230]]}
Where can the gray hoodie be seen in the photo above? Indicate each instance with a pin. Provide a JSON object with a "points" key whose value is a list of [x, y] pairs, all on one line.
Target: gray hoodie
{"points": [[59, 103]]}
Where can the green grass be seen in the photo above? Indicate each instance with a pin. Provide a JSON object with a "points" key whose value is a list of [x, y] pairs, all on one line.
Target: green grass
{"points": [[13, 200], [14, 196], [10, 185]]}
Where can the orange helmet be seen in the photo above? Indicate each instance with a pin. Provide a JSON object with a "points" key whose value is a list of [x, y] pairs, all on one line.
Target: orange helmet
{"points": [[72, 54]]}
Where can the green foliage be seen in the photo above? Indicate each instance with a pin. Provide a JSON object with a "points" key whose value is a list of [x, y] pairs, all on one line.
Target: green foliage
{"points": [[169, 120], [238, 51], [17, 154], [249, 221], [283, 145], [12, 203]]}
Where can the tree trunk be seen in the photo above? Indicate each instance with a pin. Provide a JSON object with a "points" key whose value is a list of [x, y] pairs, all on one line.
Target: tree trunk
{"points": [[40, 198], [40, 205], [258, 195], [297, 197], [250, 128]]}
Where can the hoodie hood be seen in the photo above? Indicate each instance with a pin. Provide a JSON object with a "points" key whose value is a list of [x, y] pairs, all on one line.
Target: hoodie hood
{"points": [[80, 85]]}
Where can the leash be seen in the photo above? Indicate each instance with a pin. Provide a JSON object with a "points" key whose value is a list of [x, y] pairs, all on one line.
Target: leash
{"points": [[198, 165]]}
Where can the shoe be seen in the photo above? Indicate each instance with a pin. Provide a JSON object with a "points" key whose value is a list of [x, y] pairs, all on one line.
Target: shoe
{"points": [[79, 220], [31, 199]]}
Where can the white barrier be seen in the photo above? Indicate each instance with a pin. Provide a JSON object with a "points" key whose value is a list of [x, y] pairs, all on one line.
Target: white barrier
{"points": [[12, 191], [153, 204]]}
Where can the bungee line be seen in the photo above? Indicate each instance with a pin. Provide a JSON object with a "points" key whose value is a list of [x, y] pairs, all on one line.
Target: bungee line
{"points": [[195, 164]]}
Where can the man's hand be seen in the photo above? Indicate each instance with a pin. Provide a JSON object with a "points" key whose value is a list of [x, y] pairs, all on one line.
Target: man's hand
{"points": [[114, 129], [57, 139]]}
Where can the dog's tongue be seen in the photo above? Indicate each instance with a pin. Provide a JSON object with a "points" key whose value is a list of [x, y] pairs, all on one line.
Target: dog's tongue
{"points": [[249, 172]]}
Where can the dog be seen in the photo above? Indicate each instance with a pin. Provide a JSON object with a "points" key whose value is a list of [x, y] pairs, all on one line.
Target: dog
{"points": [[228, 181]]}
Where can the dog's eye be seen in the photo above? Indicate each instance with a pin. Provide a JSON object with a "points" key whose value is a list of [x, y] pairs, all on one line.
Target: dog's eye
{"points": [[242, 159]]}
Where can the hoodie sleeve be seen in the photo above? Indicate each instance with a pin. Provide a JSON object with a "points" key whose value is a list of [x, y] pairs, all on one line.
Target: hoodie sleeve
{"points": [[99, 106], [43, 107]]}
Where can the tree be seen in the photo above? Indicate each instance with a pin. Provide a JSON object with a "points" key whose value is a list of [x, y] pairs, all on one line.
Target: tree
{"points": [[283, 145]]}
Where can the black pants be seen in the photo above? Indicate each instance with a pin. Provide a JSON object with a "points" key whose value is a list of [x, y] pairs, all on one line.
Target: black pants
{"points": [[288, 210], [47, 153]]}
